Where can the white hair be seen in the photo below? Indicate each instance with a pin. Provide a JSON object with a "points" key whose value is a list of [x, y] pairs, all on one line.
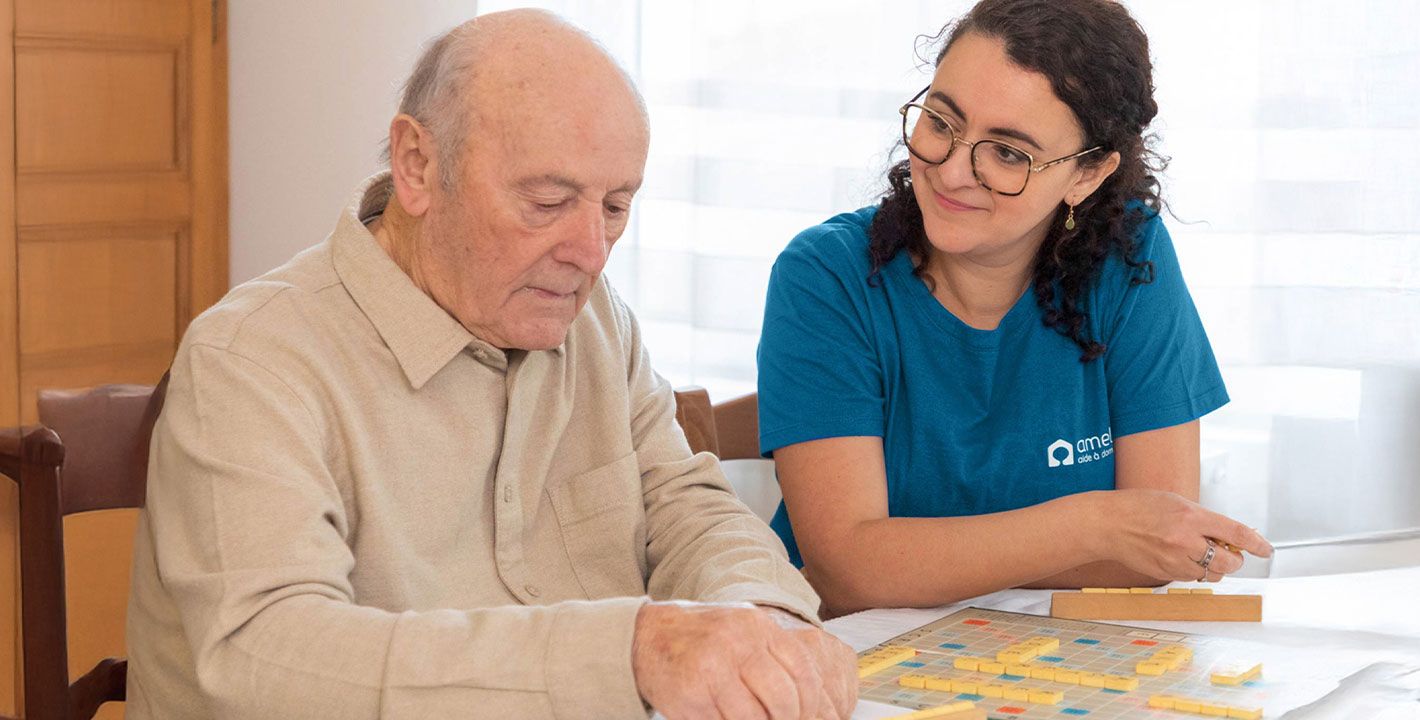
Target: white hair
{"points": [[434, 95]]}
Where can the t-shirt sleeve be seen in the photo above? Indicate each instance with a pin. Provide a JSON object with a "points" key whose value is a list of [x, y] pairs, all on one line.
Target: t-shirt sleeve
{"points": [[1158, 362], [819, 374]]}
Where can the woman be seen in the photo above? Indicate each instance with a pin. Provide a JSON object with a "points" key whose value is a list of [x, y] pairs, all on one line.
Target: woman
{"points": [[994, 378]]}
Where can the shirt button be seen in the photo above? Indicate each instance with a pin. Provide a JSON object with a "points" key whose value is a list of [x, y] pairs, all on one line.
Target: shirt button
{"points": [[532, 590], [507, 493]]}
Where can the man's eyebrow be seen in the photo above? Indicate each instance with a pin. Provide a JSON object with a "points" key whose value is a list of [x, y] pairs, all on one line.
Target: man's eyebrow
{"points": [[540, 182], [1002, 131]]}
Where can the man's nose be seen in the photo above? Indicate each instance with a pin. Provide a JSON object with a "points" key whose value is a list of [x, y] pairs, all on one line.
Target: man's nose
{"points": [[585, 243]]}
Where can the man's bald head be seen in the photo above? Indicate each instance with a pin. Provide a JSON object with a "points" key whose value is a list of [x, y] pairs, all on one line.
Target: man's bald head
{"points": [[513, 162], [506, 63]]}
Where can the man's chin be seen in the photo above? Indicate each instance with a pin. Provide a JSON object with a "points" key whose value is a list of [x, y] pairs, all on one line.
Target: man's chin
{"points": [[545, 335]]}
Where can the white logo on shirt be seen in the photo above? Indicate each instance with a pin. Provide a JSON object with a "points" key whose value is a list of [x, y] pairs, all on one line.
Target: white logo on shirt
{"points": [[1090, 449]]}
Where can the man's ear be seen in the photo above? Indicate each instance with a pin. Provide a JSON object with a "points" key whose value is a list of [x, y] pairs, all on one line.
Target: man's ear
{"points": [[1089, 179], [413, 164]]}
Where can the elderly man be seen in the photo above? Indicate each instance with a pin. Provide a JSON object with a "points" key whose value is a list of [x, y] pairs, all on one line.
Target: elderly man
{"points": [[425, 470]]}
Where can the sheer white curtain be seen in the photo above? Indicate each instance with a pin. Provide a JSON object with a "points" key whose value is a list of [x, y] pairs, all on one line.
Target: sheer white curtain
{"points": [[1294, 127]]}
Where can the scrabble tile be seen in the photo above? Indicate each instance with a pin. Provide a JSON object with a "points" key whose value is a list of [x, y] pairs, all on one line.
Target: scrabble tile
{"points": [[1141, 591], [965, 687], [941, 711], [1092, 590], [1121, 683], [1069, 677], [1018, 670], [1117, 591], [883, 658], [1150, 667], [993, 668], [1162, 702], [991, 691], [1045, 697], [1187, 705], [1089, 679], [1202, 591], [938, 684], [1240, 713], [1213, 709], [1235, 673], [1042, 673], [967, 663], [913, 681], [1017, 693]]}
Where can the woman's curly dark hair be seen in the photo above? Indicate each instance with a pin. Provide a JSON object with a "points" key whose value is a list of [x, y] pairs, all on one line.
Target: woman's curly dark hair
{"points": [[1097, 60]]}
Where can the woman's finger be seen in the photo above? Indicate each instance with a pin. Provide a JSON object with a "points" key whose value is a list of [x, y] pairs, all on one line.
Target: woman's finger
{"points": [[1236, 535]]}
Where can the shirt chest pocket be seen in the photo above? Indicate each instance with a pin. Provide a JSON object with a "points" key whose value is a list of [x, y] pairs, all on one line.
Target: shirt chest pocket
{"points": [[602, 519]]}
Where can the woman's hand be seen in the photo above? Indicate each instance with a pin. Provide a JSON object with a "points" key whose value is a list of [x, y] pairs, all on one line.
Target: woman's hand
{"points": [[1166, 536]]}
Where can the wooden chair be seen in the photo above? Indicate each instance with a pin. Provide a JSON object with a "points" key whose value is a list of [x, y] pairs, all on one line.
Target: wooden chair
{"points": [[729, 429], [90, 452]]}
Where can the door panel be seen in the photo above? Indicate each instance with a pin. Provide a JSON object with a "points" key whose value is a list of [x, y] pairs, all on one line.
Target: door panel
{"points": [[98, 291], [161, 19], [68, 86]]}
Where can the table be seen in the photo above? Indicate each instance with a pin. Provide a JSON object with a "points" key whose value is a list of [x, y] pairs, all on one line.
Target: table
{"points": [[1376, 614]]}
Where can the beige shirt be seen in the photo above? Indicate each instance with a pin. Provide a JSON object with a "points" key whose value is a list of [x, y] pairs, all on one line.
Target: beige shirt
{"points": [[356, 509]]}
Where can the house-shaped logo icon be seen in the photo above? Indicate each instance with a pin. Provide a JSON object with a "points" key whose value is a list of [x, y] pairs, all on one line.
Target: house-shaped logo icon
{"points": [[1053, 457]]}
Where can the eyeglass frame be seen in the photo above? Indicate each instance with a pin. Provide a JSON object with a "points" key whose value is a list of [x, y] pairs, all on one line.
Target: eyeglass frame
{"points": [[957, 139]]}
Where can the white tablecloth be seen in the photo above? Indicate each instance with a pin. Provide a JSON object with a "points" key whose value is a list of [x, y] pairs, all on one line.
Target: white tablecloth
{"points": [[1373, 615]]}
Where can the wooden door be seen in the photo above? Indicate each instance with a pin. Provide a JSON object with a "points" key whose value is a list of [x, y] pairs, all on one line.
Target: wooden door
{"points": [[115, 239]]}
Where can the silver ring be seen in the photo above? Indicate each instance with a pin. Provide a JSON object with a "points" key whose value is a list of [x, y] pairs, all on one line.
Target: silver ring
{"points": [[1208, 557]]}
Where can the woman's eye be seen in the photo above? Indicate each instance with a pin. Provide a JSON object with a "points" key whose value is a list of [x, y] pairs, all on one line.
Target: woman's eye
{"points": [[1009, 156]]}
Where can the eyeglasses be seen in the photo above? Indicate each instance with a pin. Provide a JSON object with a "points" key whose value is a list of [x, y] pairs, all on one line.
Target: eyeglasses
{"points": [[999, 167]]}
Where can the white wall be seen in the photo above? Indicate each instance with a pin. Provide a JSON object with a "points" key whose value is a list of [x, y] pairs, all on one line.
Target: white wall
{"points": [[314, 84]]}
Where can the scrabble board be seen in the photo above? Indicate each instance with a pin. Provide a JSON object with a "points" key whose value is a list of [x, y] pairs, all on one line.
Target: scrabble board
{"points": [[1110, 653]]}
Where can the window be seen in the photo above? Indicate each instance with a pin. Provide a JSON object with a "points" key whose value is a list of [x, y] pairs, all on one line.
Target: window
{"points": [[1294, 128]]}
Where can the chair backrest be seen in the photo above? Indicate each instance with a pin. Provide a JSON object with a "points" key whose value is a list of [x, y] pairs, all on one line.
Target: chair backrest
{"points": [[729, 429], [89, 453]]}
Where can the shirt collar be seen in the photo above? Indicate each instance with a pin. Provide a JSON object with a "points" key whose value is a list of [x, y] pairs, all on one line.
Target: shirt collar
{"points": [[422, 336]]}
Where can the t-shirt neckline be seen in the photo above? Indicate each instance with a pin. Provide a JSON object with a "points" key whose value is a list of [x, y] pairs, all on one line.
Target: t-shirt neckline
{"points": [[901, 271]]}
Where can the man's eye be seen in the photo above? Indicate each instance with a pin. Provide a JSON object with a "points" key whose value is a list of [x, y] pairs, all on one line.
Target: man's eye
{"points": [[616, 210], [550, 205]]}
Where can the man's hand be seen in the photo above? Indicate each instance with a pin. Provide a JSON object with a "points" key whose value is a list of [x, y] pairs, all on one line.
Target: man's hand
{"points": [[737, 661]]}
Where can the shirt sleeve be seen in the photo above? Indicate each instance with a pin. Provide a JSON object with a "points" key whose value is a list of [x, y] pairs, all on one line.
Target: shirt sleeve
{"points": [[702, 543], [252, 543], [1158, 363], [819, 374]]}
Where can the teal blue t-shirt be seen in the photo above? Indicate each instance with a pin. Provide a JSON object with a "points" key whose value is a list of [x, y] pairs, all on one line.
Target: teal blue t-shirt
{"points": [[973, 421]]}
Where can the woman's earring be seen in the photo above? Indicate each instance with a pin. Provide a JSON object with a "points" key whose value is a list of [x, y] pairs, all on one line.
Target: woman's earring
{"points": [[1070, 219]]}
